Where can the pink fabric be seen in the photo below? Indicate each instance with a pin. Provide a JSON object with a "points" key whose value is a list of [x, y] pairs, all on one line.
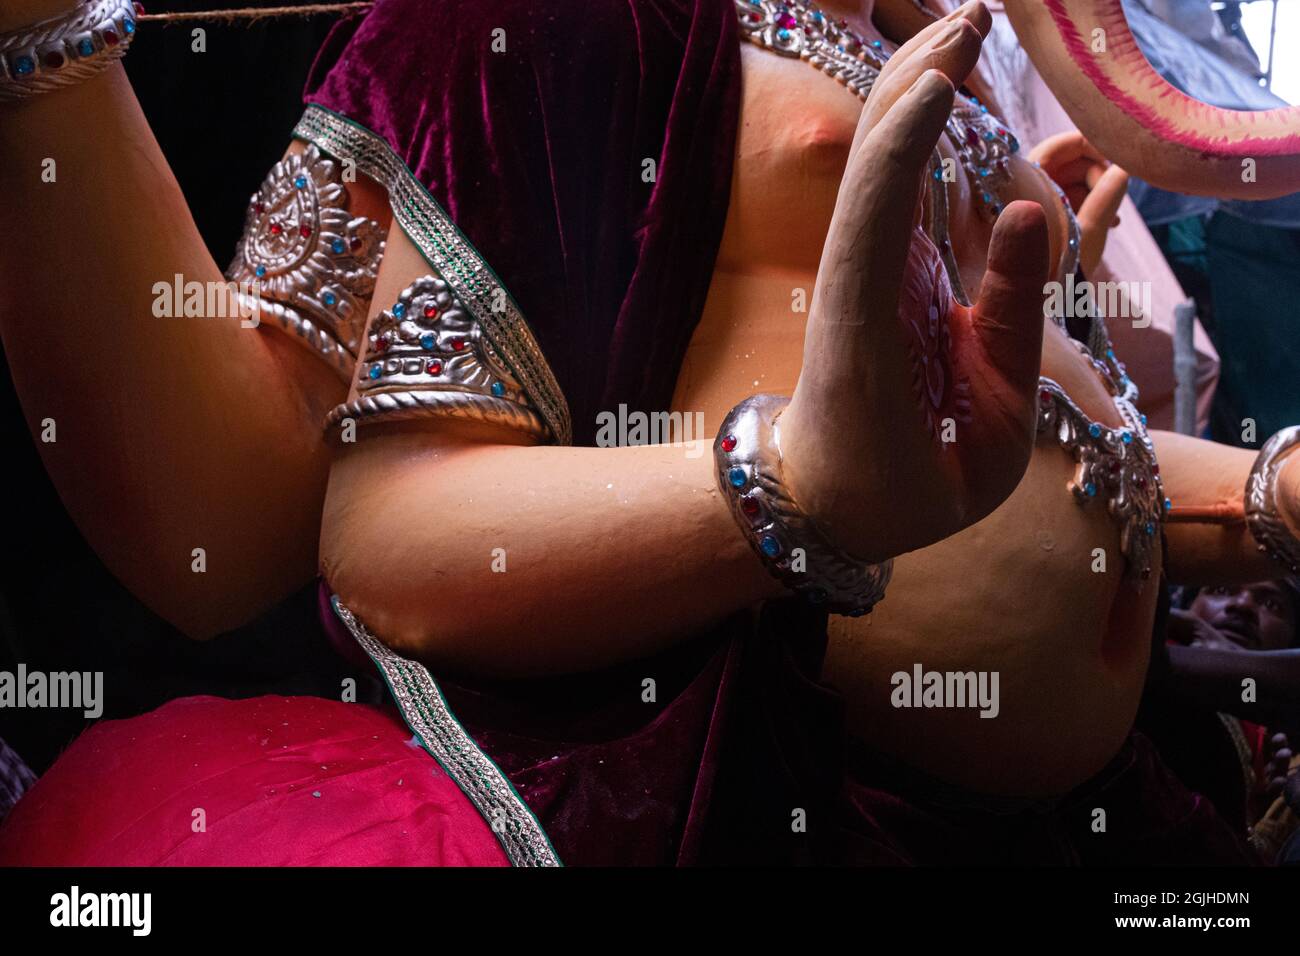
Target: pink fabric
{"points": [[281, 781]]}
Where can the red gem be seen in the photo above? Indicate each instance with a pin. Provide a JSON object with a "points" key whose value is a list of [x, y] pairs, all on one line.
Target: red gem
{"points": [[1001, 131], [110, 37], [383, 342], [304, 231], [457, 344], [430, 311], [54, 59], [749, 507], [139, 9], [434, 366], [729, 443], [785, 21], [972, 137], [276, 229], [1155, 469], [355, 242], [258, 208], [1045, 395]]}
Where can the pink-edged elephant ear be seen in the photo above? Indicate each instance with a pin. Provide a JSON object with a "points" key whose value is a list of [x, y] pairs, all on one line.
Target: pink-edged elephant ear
{"points": [[1092, 63]]}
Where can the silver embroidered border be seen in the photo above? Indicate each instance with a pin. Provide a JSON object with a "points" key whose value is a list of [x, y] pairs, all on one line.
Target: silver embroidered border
{"points": [[447, 250], [426, 713]]}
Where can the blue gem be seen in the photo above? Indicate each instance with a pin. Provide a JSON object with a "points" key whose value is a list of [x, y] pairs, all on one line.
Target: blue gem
{"points": [[24, 65], [983, 108], [1091, 489], [1074, 242], [1151, 529], [1169, 503], [301, 182], [128, 27], [771, 547], [988, 136], [428, 340], [1142, 419], [498, 389], [259, 271], [399, 310], [329, 298], [374, 371], [1126, 437], [1110, 353], [877, 44], [783, 34], [85, 47], [816, 16], [338, 246], [987, 197], [938, 174], [737, 477], [1094, 430], [1014, 143]]}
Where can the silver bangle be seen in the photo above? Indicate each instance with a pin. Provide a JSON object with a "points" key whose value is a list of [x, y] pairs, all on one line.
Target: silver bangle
{"points": [[747, 453], [66, 49], [1271, 533]]}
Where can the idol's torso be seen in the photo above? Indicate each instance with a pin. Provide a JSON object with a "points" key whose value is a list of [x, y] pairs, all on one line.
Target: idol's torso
{"points": [[1016, 593]]}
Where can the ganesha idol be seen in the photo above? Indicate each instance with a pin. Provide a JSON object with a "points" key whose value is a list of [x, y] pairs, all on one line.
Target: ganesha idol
{"points": [[645, 653]]}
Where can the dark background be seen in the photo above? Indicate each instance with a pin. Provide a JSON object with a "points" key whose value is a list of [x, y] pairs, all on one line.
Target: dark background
{"points": [[223, 118]]}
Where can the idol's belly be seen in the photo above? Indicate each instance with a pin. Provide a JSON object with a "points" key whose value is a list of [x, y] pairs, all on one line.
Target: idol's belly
{"points": [[1034, 603]]}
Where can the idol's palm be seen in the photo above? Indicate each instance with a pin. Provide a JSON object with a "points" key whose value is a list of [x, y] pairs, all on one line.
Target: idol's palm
{"points": [[913, 416]]}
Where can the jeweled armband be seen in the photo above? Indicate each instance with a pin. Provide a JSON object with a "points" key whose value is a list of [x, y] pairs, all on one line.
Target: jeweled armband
{"points": [[1269, 530], [311, 263], [427, 356], [748, 456], [66, 49]]}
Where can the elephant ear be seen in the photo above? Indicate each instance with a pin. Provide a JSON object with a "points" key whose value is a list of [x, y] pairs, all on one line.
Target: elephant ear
{"points": [[1089, 58]]}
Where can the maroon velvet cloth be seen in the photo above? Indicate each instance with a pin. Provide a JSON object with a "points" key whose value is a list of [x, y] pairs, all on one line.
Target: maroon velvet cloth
{"points": [[537, 153]]}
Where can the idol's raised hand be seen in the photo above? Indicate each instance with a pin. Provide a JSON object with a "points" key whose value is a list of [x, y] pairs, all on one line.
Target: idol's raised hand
{"points": [[913, 416]]}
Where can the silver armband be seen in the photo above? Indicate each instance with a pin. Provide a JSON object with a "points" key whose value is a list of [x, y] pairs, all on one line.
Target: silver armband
{"points": [[747, 452], [1269, 530], [427, 357], [311, 263], [66, 49]]}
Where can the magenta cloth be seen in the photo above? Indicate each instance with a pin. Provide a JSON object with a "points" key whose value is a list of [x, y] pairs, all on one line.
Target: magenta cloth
{"points": [[538, 153], [280, 781]]}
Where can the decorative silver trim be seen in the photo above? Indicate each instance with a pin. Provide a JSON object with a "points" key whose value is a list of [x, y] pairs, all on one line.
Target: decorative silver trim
{"points": [[302, 250], [447, 250], [426, 713], [1117, 465]]}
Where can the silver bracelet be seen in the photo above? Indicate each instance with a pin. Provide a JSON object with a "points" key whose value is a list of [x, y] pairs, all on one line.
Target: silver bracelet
{"points": [[748, 456], [66, 49], [1271, 533]]}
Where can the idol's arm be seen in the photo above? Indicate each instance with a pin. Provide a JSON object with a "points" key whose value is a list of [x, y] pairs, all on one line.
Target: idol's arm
{"points": [[527, 559], [163, 436], [1209, 540]]}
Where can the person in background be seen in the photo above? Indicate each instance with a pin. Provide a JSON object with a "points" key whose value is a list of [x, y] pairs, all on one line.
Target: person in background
{"points": [[1227, 739]]}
